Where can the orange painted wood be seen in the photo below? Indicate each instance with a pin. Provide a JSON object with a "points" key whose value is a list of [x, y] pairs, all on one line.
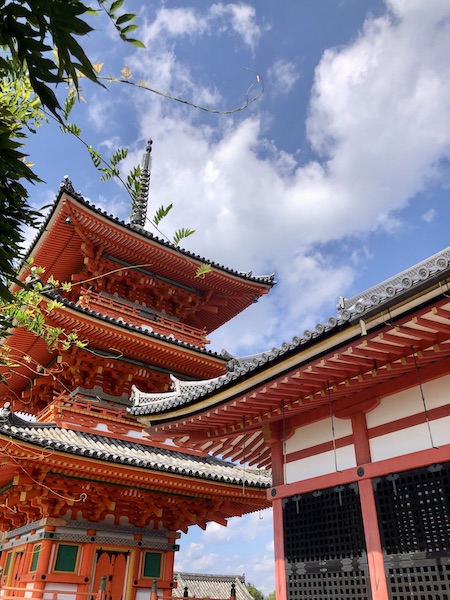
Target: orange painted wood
{"points": [[409, 421], [361, 439], [319, 448], [278, 528], [373, 542], [397, 464], [103, 566], [277, 452], [118, 576]]}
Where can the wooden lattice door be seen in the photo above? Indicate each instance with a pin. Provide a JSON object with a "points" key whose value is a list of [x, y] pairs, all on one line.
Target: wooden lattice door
{"points": [[112, 564]]}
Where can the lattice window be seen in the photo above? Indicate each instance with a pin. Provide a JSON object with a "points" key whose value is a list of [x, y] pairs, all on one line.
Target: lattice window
{"points": [[414, 519], [414, 510], [324, 545], [419, 582], [324, 525], [329, 586]]}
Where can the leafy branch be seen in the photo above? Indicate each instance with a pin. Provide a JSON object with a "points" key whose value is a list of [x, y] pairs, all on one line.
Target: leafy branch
{"points": [[249, 99], [123, 23], [30, 310]]}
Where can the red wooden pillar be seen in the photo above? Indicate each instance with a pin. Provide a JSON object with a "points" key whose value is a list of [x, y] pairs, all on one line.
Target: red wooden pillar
{"points": [[275, 443], [169, 559], [278, 536], [87, 562], [369, 512], [43, 562]]}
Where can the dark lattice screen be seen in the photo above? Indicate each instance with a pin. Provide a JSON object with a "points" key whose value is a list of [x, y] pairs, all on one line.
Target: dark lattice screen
{"points": [[414, 519], [324, 545], [426, 582]]}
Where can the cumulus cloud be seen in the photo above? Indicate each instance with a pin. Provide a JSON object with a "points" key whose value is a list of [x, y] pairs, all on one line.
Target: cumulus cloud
{"points": [[246, 548], [218, 19], [195, 559], [242, 20], [283, 75], [379, 128]]}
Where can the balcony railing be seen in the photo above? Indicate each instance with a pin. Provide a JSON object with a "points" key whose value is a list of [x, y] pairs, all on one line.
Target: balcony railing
{"points": [[16, 593], [139, 316]]}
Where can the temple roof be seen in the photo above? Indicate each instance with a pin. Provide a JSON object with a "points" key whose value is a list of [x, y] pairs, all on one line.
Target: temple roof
{"points": [[113, 450], [122, 322], [377, 340], [67, 187], [211, 586], [79, 242], [350, 310]]}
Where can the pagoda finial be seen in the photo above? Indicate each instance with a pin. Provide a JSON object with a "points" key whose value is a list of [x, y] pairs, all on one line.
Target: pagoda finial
{"points": [[139, 210]]}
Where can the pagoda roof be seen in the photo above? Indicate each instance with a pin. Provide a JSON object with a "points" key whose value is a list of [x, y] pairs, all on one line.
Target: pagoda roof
{"points": [[60, 255], [140, 329], [202, 585], [115, 451], [131, 343], [376, 336]]}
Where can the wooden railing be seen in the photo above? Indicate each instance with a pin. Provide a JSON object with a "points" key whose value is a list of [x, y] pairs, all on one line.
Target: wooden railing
{"points": [[30, 593], [137, 315]]}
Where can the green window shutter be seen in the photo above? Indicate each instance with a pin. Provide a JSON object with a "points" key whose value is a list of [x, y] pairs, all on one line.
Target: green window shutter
{"points": [[35, 557], [152, 564], [66, 558], [8, 563]]}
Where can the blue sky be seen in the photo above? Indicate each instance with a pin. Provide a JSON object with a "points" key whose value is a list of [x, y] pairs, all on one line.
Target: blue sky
{"points": [[335, 179]]}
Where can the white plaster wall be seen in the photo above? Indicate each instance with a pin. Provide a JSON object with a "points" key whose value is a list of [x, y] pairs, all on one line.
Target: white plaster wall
{"points": [[318, 433], [143, 593], [409, 440], [320, 464], [409, 402], [61, 587]]}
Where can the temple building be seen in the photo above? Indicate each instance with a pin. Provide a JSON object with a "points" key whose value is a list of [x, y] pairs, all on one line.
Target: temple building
{"points": [[353, 418], [219, 587], [85, 495]]}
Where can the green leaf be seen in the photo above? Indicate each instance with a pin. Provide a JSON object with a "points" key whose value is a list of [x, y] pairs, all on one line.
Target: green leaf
{"points": [[127, 29], [124, 18], [115, 6], [136, 43], [182, 234], [118, 155], [161, 213], [203, 270]]}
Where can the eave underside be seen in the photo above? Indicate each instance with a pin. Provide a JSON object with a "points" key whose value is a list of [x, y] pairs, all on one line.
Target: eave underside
{"points": [[126, 353], [414, 349], [78, 240], [37, 483]]}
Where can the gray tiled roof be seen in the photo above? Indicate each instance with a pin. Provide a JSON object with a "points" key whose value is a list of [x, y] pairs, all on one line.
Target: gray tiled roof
{"points": [[122, 323], [124, 452], [351, 310], [66, 186], [211, 586]]}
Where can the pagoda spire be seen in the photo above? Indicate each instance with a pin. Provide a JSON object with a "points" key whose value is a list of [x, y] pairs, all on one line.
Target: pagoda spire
{"points": [[139, 210]]}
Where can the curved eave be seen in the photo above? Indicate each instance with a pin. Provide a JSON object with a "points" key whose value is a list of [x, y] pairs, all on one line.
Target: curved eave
{"points": [[104, 333], [346, 369], [132, 468], [223, 289], [338, 332]]}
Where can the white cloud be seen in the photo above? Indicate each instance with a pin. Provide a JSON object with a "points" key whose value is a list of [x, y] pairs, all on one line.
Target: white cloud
{"points": [[245, 547], [173, 22], [283, 75], [379, 121], [194, 559], [242, 20], [218, 19], [429, 216]]}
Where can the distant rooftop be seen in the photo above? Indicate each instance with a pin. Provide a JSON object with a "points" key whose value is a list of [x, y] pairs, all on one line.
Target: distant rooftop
{"points": [[211, 586]]}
